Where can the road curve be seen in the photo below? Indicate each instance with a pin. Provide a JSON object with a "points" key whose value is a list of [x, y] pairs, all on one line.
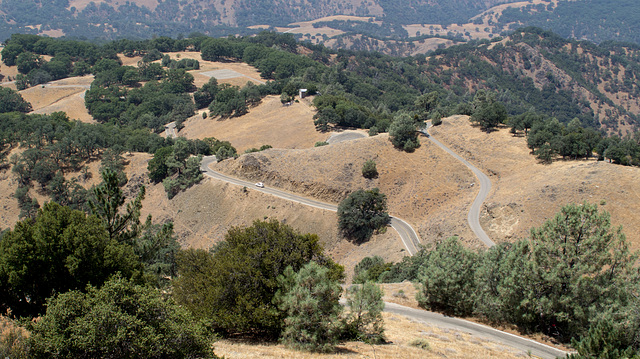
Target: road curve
{"points": [[485, 186], [527, 345], [410, 241], [407, 234]]}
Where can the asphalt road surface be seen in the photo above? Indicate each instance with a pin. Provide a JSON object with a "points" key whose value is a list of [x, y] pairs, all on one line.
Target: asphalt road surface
{"points": [[477, 330], [485, 186], [170, 130], [407, 234]]}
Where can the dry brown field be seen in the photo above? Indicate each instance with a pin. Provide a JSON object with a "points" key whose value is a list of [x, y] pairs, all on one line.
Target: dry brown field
{"points": [[526, 192], [269, 123]]}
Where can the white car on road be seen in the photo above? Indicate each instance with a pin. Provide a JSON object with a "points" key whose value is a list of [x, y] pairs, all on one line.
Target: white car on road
{"points": [[260, 185]]}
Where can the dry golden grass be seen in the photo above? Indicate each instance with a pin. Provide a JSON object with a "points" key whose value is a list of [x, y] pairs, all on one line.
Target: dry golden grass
{"points": [[400, 333], [525, 192], [269, 123], [426, 187], [63, 95], [8, 71]]}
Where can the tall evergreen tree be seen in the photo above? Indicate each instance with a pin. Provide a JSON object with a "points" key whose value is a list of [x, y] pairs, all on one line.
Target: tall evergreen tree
{"points": [[310, 299]]}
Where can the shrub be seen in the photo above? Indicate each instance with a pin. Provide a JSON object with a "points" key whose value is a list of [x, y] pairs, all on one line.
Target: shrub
{"points": [[447, 280], [253, 257], [370, 269], [369, 169], [420, 343], [436, 120], [403, 134], [13, 340]]}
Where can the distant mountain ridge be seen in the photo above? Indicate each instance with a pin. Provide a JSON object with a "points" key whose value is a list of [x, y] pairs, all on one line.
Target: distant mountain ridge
{"points": [[143, 18], [442, 23]]}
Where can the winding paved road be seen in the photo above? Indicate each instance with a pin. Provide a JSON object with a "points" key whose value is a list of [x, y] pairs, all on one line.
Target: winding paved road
{"points": [[485, 186], [411, 241], [407, 234]]}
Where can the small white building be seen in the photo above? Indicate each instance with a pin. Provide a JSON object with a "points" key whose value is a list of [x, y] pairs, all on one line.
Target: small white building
{"points": [[302, 93]]}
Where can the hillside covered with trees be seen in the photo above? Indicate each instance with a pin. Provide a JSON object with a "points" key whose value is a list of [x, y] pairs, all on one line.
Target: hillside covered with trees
{"points": [[594, 20]]}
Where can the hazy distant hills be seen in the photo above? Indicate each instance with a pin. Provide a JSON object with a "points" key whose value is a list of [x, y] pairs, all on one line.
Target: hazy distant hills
{"points": [[144, 18], [595, 20]]}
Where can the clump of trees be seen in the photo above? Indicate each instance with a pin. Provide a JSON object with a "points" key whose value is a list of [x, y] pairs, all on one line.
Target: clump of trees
{"points": [[178, 166], [254, 256], [11, 101], [487, 111], [283, 286], [362, 213], [574, 278], [55, 146], [101, 277], [548, 139]]}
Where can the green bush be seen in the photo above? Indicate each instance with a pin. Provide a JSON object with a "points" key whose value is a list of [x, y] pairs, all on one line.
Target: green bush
{"points": [[436, 119], [403, 133], [364, 321], [370, 269], [120, 320], [369, 169], [234, 285], [420, 343], [447, 280]]}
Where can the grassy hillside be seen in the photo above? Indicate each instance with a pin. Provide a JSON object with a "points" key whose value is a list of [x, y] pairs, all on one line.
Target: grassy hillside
{"points": [[433, 192]]}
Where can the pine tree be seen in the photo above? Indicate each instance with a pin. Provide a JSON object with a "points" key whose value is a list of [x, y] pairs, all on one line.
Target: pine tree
{"points": [[364, 321], [310, 299], [447, 279], [579, 264]]}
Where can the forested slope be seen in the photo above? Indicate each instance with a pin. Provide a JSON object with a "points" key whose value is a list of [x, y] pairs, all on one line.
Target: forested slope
{"points": [[594, 20], [143, 18]]}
